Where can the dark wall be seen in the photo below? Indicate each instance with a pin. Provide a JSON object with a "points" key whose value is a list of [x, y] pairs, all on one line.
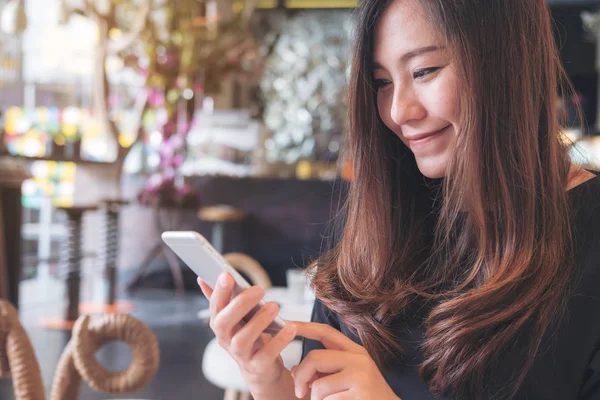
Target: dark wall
{"points": [[578, 52], [287, 223]]}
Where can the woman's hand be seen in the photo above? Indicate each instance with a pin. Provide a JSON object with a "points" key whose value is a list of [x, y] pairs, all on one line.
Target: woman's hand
{"points": [[255, 352], [343, 371]]}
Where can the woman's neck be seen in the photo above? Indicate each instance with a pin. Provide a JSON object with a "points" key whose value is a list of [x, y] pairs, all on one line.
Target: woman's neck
{"points": [[577, 176]]}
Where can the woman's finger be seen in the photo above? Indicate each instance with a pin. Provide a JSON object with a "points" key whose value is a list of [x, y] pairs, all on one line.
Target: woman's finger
{"points": [[242, 343], [319, 361], [330, 337], [340, 396], [221, 294], [206, 290], [271, 350], [330, 385], [232, 314], [318, 375], [266, 338]]}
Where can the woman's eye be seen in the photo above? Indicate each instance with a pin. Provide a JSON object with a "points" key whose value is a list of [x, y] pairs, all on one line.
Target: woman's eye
{"points": [[380, 83], [421, 73]]}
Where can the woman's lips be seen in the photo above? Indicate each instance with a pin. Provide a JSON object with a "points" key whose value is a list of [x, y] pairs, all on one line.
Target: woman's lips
{"points": [[422, 140]]}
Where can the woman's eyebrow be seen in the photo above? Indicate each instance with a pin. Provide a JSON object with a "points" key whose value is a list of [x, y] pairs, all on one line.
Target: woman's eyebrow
{"points": [[411, 54]]}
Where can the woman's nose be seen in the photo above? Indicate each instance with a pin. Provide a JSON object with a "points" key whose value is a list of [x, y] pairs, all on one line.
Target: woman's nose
{"points": [[406, 107]]}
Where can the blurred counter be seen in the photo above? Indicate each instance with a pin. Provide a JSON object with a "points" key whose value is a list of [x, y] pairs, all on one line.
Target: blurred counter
{"points": [[287, 218]]}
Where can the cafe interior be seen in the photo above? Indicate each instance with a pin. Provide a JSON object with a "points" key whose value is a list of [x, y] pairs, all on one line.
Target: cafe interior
{"points": [[123, 119]]}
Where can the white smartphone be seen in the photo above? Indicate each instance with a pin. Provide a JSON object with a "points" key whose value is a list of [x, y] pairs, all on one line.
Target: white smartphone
{"points": [[202, 258]]}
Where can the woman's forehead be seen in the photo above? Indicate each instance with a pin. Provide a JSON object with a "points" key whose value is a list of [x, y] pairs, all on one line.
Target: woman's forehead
{"points": [[402, 29]]}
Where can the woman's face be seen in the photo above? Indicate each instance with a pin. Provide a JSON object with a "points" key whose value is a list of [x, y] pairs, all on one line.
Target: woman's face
{"points": [[416, 85]]}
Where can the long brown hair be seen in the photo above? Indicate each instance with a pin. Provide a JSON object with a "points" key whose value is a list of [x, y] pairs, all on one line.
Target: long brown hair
{"points": [[498, 262]]}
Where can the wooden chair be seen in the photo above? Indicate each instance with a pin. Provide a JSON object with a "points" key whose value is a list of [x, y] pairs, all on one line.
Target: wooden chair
{"points": [[78, 361], [249, 267], [17, 358]]}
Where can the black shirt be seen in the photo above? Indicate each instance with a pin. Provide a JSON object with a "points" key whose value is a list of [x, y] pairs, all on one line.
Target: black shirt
{"points": [[567, 365]]}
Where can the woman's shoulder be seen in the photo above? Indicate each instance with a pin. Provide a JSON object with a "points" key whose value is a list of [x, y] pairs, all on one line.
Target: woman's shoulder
{"points": [[585, 200], [323, 315], [585, 203]]}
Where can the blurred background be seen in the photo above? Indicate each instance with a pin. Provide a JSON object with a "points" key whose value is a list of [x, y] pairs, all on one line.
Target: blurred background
{"points": [[120, 119]]}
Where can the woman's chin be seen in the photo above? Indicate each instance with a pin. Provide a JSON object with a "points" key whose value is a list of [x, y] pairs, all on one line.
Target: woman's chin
{"points": [[432, 167]]}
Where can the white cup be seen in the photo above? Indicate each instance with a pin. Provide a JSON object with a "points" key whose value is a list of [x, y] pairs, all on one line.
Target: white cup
{"points": [[296, 283], [309, 293]]}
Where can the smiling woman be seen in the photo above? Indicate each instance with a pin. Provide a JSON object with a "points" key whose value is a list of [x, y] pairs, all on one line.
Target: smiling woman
{"points": [[416, 86], [468, 265], [462, 249]]}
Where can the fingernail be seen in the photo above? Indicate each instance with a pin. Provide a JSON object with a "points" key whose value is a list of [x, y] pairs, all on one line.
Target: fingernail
{"points": [[298, 392], [224, 280]]}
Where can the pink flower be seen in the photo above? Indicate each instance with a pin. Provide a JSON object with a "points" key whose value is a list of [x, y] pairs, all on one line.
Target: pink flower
{"points": [[154, 182], [176, 141], [156, 98], [178, 160]]}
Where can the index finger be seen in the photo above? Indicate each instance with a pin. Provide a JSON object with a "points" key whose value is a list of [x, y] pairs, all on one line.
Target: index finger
{"points": [[221, 294], [330, 337], [206, 290]]}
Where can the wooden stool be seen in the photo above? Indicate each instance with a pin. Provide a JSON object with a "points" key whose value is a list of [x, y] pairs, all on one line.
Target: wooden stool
{"points": [[107, 257], [71, 256], [219, 215]]}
